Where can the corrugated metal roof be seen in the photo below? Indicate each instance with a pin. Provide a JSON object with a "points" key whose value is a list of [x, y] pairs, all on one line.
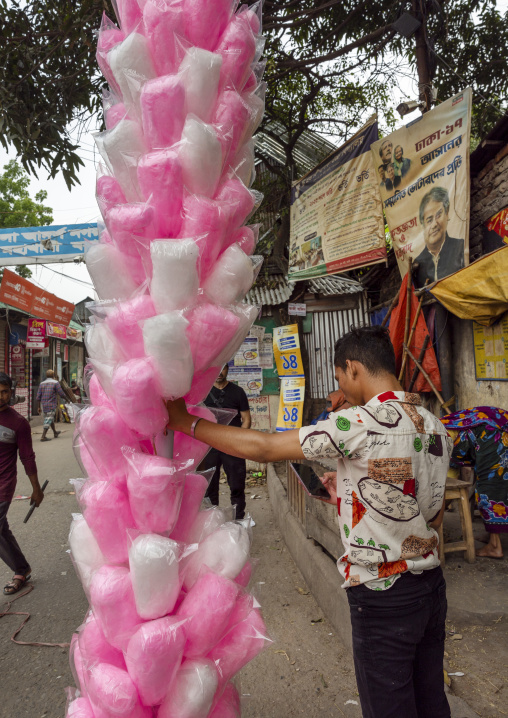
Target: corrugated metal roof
{"points": [[331, 286], [309, 150], [276, 292]]}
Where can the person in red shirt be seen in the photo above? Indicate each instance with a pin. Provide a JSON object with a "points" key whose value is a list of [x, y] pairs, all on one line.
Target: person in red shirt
{"points": [[15, 435]]}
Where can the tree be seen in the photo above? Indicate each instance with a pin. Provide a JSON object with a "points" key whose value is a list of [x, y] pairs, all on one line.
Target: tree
{"points": [[17, 208], [329, 62]]}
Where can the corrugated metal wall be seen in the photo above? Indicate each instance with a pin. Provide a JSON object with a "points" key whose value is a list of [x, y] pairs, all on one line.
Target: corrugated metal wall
{"points": [[327, 327]]}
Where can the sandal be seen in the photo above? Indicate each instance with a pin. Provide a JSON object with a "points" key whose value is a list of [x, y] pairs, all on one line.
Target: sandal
{"points": [[57, 434], [17, 583], [45, 438]]}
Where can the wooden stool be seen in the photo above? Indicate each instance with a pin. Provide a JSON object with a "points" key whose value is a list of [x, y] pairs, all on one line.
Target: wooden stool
{"points": [[459, 490]]}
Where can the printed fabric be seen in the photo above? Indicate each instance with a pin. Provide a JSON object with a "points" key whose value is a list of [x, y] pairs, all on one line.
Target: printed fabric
{"points": [[393, 457], [482, 442], [48, 393]]}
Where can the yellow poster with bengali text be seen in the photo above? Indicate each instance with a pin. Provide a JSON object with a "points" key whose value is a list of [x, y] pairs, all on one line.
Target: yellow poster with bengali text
{"points": [[286, 350], [292, 395], [491, 350]]}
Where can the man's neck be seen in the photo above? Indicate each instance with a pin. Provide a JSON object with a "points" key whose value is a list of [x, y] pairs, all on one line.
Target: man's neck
{"points": [[435, 250], [221, 385], [378, 385]]}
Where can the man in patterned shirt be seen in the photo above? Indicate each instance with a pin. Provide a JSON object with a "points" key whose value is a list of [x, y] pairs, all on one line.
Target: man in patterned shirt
{"points": [[47, 396], [392, 459]]}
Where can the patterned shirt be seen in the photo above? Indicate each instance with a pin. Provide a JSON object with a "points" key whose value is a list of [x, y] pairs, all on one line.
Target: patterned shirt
{"points": [[48, 393], [393, 457]]}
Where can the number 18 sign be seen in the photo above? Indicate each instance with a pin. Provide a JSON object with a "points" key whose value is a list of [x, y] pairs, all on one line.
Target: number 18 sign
{"points": [[292, 395], [286, 350]]}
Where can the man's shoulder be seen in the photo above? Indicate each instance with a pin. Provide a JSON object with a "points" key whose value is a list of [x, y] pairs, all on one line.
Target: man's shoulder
{"points": [[424, 256], [236, 390], [15, 419]]}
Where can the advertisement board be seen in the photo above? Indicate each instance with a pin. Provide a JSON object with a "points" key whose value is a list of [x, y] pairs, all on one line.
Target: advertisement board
{"points": [[22, 294], [286, 350], [423, 173], [292, 395], [36, 334], [336, 212], [44, 245]]}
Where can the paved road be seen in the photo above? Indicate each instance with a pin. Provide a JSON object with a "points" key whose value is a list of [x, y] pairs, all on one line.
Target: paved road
{"points": [[306, 671]]}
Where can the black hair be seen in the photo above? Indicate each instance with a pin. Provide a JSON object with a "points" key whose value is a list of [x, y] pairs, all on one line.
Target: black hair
{"points": [[5, 379], [371, 346]]}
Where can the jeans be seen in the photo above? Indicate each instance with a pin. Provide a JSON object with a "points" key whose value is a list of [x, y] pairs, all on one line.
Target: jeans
{"points": [[398, 647], [10, 551], [235, 471]]}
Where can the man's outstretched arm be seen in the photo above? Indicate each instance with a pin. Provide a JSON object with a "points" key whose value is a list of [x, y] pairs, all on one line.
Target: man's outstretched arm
{"points": [[244, 443]]}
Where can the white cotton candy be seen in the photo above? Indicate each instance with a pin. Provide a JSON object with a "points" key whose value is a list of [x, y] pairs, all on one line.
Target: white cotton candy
{"points": [[175, 279], [132, 66], [201, 157], [231, 278], [200, 76], [109, 272], [192, 691], [165, 339], [121, 149], [205, 523], [101, 344], [153, 562], [85, 550], [225, 552]]}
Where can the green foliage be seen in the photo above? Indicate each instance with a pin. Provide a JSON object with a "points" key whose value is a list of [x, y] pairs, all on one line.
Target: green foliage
{"points": [[17, 208]]}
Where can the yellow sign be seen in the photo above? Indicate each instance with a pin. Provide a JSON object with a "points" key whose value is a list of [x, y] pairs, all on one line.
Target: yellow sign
{"points": [[491, 350], [292, 395], [286, 350]]}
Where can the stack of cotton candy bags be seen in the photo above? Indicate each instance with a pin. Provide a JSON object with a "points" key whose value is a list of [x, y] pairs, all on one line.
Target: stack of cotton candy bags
{"points": [[171, 621]]}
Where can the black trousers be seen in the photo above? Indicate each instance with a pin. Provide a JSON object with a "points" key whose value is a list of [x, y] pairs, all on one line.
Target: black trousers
{"points": [[398, 647], [235, 471], [10, 551]]}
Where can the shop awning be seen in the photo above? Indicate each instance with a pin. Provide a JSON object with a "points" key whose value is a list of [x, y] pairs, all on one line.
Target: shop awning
{"points": [[478, 292]]}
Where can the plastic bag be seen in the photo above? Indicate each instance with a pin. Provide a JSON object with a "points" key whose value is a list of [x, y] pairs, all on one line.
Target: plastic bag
{"points": [[121, 149], [163, 111], [161, 181], [193, 494], [206, 221], [128, 14], [200, 71], [192, 691], [225, 551], [175, 279], [109, 271], [132, 66], [165, 340], [231, 278], [185, 447], [112, 693], [164, 30], [153, 562], [109, 36], [94, 647], [85, 551], [237, 47], [123, 323], [228, 705], [210, 330], [201, 157], [113, 605], [205, 22], [138, 396]]}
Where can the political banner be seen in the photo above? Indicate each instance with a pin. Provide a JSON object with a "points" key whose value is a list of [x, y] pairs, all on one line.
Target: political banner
{"points": [[292, 395], [336, 213], [45, 245], [423, 176], [286, 349]]}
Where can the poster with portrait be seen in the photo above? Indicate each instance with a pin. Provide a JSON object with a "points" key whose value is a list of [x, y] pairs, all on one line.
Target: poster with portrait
{"points": [[336, 213], [423, 174]]}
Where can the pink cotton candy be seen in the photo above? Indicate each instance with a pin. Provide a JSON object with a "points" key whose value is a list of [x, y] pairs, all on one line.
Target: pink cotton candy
{"points": [[246, 238], [163, 23], [208, 606], [218, 325], [128, 14], [238, 49], [202, 382], [193, 494], [96, 393], [163, 111], [244, 576], [228, 705], [123, 322], [186, 447], [112, 693], [242, 164], [113, 604], [108, 514], [161, 181], [114, 114], [95, 648], [206, 220], [156, 487], [192, 692], [109, 193], [243, 643], [131, 226], [138, 396], [109, 36], [153, 657], [205, 22], [104, 433], [240, 198], [231, 120], [80, 708], [76, 663]]}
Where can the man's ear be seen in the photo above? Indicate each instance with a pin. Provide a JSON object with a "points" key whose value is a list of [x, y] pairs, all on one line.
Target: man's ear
{"points": [[353, 369]]}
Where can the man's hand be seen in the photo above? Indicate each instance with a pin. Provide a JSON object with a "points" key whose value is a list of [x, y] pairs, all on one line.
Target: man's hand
{"points": [[329, 481], [37, 496], [179, 418]]}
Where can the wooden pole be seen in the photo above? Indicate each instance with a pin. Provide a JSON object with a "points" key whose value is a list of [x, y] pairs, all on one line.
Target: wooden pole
{"points": [[431, 383], [411, 335], [408, 305], [420, 360], [392, 306]]}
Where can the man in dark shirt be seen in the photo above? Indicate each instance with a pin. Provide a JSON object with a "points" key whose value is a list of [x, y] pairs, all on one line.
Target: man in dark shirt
{"points": [[225, 395], [15, 435]]}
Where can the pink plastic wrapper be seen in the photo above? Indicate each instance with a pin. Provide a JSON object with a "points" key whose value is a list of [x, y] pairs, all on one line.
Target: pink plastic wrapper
{"points": [[163, 110], [208, 606], [113, 604], [108, 514], [95, 648], [240, 198], [218, 324], [228, 705], [192, 691], [153, 657], [185, 447], [231, 120], [76, 663], [205, 22], [128, 14], [138, 396], [243, 643], [112, 693], [109, 192], [123, 322], [161, 181], [114, 114], [132, 226], [246, 238], [237, 47], [109, 36], [245, 574], [206, 220], [96, 393], [156, 486], [80, 708], [202, 383], [163, 24], [193, 494]]}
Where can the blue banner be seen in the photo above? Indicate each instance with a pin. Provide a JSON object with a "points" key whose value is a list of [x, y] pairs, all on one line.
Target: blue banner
{"points": [[45, 245]]}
